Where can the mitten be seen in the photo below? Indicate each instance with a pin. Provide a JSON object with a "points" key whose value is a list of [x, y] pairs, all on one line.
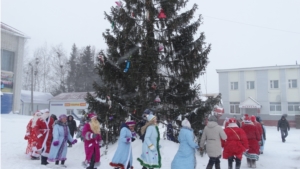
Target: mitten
{"points": [[128, 140], [132, 139], [133, 134], [40, 135], [55, 143], [74, 141], [151, 147]]}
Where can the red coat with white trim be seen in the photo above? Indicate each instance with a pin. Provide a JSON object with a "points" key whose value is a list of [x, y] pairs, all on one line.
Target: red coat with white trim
{"points": [[253, 136], [30, 136], [236, 143], [43, 130]]}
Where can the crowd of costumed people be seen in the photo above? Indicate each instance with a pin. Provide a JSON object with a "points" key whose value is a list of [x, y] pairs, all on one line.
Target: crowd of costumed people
{"points": [[48, 138]]}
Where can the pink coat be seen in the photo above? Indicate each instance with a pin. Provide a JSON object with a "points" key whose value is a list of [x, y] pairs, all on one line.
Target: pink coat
{"points": [[91, 145]]}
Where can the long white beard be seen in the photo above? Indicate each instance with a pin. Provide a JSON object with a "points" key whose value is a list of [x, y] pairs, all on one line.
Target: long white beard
{"points": [[45, 116], [34, 119]]}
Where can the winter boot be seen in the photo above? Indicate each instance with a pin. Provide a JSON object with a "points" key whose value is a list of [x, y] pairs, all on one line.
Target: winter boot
{"points": [[253, 163], [248, 162], [230, 161], [237, 163], [56, 162], [44, 160]]}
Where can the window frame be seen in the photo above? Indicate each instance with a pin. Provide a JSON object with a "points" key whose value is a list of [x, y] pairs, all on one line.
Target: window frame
{"points": [[272, 84], [233, 85], [248, 84], [290, 83], [236, 108], [277, 108]]}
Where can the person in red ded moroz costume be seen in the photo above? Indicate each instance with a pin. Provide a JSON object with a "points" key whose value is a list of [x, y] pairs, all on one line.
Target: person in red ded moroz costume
{"points": [[253, 139], [92, 137], [43, 130], [30, 136], [235, 144], [257, 124]]}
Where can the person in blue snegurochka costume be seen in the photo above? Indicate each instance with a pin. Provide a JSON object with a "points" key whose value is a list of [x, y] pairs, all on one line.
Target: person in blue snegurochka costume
{"points": [[150, 157], [123, 155], [61, 134], [185, 156]]}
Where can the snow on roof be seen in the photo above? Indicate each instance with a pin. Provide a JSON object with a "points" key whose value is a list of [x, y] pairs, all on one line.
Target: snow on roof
{"points": [[38, 97], [71, 96], [11, 30], [259, 68]]}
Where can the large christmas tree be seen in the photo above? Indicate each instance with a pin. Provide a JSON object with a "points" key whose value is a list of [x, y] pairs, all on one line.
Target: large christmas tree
{"points": [[155, 53]]}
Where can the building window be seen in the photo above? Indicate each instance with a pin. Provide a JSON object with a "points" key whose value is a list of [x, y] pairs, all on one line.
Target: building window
{"points": [[80, 111], [274, 84], [7, 60], [234, 107], [234, 85], [292, 83], [250, 84], [293, 107], [275, 107], [69, 111]]}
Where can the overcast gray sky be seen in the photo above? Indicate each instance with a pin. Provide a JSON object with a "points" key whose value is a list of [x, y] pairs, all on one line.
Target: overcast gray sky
{"points": [[243, 33]]}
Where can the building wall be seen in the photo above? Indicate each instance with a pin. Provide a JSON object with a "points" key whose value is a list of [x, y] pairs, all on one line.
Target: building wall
{"points": [[62, 107], [15, 44], [262, 91]]}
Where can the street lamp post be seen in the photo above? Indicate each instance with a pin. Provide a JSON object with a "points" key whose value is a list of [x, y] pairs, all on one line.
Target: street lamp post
{"points": [[36, 62]]}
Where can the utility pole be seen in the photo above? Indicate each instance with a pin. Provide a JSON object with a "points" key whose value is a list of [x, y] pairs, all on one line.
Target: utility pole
{"points": [[31, 88]]}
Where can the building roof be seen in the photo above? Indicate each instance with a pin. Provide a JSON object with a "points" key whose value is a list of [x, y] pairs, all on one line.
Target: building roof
{"points": [[250, 103], [70, 96], [259, 68], [38, 97], [8, 29]]}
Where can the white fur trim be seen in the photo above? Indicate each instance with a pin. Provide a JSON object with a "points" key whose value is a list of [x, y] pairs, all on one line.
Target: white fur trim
{"points": [[45, 154], [232, 125], [186, 123], [34, 154]]}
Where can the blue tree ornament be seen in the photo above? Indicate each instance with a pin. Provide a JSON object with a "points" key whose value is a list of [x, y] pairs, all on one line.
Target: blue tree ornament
{"points": [[127, 66]]}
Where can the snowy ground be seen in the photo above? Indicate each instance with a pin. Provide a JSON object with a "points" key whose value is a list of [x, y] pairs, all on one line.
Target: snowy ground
{"points": [[277, 155]]}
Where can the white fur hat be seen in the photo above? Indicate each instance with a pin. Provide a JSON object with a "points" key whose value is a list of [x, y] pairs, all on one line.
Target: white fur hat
{"points": [[186, 123]]}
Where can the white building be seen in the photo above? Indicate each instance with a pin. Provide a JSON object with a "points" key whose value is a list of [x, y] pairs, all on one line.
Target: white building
{"points": [[12, 52], [268, 92], [66, 103], [40, 101]]}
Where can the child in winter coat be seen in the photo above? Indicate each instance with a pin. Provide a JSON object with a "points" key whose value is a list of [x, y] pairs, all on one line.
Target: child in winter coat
{"points": [[61, 135], [212, 135], [150, 157], [185, 156], [123, 155], [235, 144]]}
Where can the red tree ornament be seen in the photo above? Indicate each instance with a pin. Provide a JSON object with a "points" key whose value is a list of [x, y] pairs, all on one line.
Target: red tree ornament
{"points": [[162, 14]]}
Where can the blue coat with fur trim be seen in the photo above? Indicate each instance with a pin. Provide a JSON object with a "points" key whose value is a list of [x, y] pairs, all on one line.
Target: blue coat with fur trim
{"points": [[151, 158], [62, 134], [123, 154], [185, 156]]}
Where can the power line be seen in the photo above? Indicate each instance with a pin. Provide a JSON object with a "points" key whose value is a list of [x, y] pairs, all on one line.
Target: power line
{"points": [[281, 30]]}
